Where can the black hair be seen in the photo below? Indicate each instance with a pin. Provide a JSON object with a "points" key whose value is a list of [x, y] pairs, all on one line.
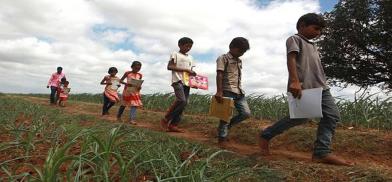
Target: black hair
{"points": [[63, 80], [185, 40], [241, 43], [135, 63], [311, 19], [112, 69], [59, 68]]}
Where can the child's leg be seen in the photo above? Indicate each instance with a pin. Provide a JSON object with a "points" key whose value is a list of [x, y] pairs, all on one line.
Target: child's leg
{"points": [[327, 125], [177, 118], [62, 101], [179, 104], [281, 126], [110, 105], [120, 111], [57, 97], [105, 104], [243, 110], [325, 131], [223, 130], [277, 128], [223, 127], [243, 113], [132, 115]]}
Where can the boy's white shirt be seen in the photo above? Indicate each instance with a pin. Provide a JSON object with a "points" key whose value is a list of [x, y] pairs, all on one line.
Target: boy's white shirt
{"points": [[181, 61]]}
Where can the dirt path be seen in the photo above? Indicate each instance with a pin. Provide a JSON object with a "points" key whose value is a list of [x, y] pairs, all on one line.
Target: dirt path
{"points": [[280, 153]]}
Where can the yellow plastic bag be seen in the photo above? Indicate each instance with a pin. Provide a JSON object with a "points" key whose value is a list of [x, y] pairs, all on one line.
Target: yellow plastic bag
{"points": [[185, 77]]}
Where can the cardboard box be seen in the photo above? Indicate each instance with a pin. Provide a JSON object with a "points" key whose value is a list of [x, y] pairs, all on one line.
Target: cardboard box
{"points": [[224, 110]]}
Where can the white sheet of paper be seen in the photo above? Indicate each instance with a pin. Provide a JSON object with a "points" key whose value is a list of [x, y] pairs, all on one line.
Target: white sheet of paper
{"points": [[309, 106]]}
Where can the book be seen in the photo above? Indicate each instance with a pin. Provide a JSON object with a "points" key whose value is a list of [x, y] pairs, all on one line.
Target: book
{"points": [[135, 84], [224, 110], [309, 106], [115, 84], [198, 82]]}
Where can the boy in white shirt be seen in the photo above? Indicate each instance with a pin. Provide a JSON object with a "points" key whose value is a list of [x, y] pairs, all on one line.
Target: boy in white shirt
{"points": [[180, 64]]}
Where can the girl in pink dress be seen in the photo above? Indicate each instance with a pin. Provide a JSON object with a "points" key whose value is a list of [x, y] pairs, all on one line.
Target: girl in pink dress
{"points": [[63, 93], [110, 96], [131, 94]]}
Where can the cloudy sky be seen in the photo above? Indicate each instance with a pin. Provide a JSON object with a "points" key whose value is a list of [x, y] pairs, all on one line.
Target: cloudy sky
{"points": [[86, 37]]}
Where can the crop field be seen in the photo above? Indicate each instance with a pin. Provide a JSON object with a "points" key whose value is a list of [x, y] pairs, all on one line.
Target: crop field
{"points": [[40, 142], [364, 111]]}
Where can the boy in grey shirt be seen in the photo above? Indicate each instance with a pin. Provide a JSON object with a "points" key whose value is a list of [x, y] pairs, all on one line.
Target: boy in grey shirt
{"points": [[306, 72]]}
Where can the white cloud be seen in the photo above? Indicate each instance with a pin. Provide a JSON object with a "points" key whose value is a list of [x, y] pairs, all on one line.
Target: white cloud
{"points": [[37, 36]]}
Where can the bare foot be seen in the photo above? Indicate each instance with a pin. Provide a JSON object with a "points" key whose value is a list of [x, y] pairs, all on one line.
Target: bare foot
{"points": [[164, 123], [264, 146], [225, 143], [174, 128], [132, 122], [119, 119], [332, 159]]}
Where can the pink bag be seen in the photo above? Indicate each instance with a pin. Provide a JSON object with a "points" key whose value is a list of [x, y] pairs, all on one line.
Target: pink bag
{"points": [[199, 82]]}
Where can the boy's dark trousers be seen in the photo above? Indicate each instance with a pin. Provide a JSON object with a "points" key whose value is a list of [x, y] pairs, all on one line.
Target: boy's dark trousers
{"points": [[53, 98], [107, 104], [177, 108], [326, 127]]}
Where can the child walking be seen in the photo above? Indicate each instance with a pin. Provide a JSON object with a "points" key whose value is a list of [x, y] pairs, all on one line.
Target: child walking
{"points": [[63, 91], [54, 83], [131, 93], [228, 84], [306, 72], [110, 96], [180, 64]]}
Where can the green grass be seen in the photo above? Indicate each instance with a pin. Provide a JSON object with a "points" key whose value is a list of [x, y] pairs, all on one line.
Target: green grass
{"points": [[49, 145], [103, 149], [364, 111]]}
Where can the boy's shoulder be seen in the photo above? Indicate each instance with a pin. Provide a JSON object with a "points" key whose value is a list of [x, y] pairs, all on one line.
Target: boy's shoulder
{"points": [[298, 38], [181, 57], [293, 37], [225, 55]]}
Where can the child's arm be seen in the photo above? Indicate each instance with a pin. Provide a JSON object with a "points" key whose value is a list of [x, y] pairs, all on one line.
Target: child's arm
{"points": [[123, 78], [219, 86], [294, 84], [105, 81], [140, 87]]}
